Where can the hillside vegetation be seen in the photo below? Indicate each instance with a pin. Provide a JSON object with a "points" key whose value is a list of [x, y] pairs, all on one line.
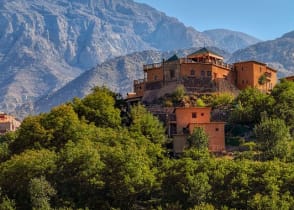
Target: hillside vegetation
{"points": [[91, 153]]}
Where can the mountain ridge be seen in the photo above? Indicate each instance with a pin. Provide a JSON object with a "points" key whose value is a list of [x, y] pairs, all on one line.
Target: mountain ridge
{"points": [[45, 45], [230, 40]]}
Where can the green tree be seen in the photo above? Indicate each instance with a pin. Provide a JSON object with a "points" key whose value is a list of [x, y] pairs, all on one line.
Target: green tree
{"points": [[40, 193], [51, 130], [5, 202], [99, 107], [186, 182], [62, 124], [144, 123], [262, 79], [198, 139], [222, 99], [129, 177], [283, 93], [5, 141], [250, 104], [79, 178], [273, 137], [179, 93], [16, 173], [200, 103], [31, 134]]}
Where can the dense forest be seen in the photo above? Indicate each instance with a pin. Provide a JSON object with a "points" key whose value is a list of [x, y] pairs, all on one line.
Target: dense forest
{"points": [[92, 153]]}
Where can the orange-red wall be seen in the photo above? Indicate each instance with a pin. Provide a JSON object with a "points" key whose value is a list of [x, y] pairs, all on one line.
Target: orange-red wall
{"points": [[197, 67], [155, 74], [184, 116], [249, 72], [244, 75], [215, 132]]}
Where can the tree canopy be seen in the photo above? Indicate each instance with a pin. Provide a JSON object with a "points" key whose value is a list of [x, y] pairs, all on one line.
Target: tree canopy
{"points": [[81, 155]]}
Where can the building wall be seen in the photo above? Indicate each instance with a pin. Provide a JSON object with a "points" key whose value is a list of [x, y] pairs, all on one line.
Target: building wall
{"points": [[249, 72], [139, 88], [8, 123], [179, 143], [290, 78], [171, 70], [184, 116], [273, 79], [215, 132], [218, 72], [154, 74], [258, 71], [187, 68], [244, 73]]}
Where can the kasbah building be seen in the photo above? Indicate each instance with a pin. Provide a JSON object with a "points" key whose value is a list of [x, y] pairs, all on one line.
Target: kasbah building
{"points": [[202, 72], [8, 123]]}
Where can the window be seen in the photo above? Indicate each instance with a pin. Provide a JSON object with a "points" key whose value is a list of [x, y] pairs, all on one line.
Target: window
{"points": [[242, 81], [203, 73], [155, 77], [202, 114], [216, 129], [208, 73], [260, 69], [194, 114], [246, 81], [172, 74], [192, 73]]}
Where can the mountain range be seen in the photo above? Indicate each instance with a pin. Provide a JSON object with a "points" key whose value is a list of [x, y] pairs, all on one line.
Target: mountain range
{"points": [[278, 53], [54, 45]]}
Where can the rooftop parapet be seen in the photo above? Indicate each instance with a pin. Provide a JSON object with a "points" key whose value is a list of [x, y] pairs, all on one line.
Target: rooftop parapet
{"points": [[151, 66]]}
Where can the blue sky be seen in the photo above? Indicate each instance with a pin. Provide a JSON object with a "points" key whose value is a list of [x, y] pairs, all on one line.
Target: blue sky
{"points": [[264, 19]]}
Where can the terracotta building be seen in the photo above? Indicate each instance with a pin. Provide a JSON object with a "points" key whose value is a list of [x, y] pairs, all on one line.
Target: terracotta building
{"points": [[203, 72], [187, 118], [254, 74], [290, 78], [8, 123]]}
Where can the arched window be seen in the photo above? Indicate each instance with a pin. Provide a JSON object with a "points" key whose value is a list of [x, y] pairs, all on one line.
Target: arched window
{"points": [[192, 73]]}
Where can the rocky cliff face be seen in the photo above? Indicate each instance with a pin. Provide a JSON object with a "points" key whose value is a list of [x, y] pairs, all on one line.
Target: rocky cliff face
{"points": [[278, 53]]}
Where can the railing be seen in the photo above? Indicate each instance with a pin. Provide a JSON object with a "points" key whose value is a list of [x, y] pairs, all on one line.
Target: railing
{"points": [[152, 66], [139, 81], [217, 63]]}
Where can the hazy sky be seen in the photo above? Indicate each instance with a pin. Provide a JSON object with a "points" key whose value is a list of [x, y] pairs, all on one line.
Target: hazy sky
{"points": [[264, 19]]}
